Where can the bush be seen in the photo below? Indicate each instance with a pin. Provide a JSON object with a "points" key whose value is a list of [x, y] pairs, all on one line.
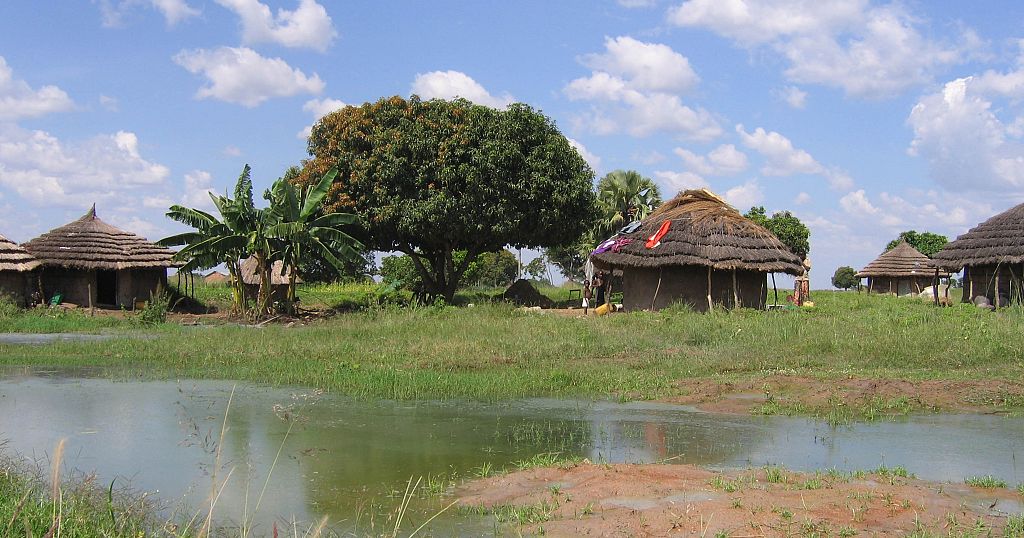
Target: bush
{"points": [[156, 309], [8, 308]]}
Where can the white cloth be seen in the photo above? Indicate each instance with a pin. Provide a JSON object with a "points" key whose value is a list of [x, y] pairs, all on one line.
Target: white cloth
{"points": [[586, 303]]}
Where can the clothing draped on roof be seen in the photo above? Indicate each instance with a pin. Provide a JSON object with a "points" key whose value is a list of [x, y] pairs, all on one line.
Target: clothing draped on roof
{"points": [[13, 257], [705, 231], [998, 240], [903, 260], [90, 243]]}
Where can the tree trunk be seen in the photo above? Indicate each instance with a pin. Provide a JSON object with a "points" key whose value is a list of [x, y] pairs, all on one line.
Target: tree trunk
{"points": [[237, 287]]}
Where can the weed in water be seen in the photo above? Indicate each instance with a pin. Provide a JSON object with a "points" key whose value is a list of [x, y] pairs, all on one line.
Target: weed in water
{"points": [[987, 481]]}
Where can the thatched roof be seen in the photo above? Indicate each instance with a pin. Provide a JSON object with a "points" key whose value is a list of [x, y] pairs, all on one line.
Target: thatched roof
{"points": [[249, 276], [903, 260], [90, 243], [216, 277], [704, 231], [999, 239], [15, 258]]}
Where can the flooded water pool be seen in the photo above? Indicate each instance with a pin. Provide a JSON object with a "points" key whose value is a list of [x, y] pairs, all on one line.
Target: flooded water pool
{"points": [[343, 457]]}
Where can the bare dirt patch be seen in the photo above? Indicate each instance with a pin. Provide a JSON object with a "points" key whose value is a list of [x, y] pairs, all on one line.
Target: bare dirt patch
{"points": [[683, 500], [888, 396]]}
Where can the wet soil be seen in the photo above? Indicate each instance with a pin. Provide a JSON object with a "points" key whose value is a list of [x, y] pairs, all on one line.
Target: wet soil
{"points": [[684, 500]]}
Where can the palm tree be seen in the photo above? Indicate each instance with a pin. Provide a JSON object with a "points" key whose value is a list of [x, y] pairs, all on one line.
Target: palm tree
{"points": [[622, 197], [302, 229]]}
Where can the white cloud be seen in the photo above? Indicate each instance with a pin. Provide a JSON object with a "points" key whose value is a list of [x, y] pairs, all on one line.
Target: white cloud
{"points": [[232, 151], [634, 87], [174, 11], [593, 160], [109, 104], [783, 159], [318, 108], [198, 186], [648, 157], [452, 84], [724, 160], [678, 181], [307, 26], [856, 203], [748, 194], [647, 66], [793, 96], [44, 170], [802, 198], [157, 202], [966, 145], [242, 76], [865, 50], [633, 4], [18, 99]]}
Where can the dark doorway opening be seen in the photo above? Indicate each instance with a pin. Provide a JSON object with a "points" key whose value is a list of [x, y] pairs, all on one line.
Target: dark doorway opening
{"points": [[106, 287]]}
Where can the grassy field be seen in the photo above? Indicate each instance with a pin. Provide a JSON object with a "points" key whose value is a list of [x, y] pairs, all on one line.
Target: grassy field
{"points": [[493, 351]]}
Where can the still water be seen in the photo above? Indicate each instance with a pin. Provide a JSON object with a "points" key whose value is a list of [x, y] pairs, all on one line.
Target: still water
{"points": [[345, 458]]}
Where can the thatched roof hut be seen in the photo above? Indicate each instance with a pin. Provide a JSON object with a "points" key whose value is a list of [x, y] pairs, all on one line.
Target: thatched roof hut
{"points": [[16, 266], [707, 253], [216, 278], [901, 270], [14, 257], [992, 256], [88, 261]]}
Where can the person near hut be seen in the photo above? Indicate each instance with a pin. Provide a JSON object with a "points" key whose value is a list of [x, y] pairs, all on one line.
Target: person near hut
{"points": [[599, 287], [588, 294]]}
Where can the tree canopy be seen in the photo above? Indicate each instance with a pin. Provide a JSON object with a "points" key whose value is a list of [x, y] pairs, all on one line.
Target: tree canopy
{"points": [[622, 197], [790, 230], [845, 278], [926, 243], [429, 178]]}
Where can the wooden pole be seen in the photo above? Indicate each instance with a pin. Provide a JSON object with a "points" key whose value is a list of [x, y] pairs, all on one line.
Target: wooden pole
{"points": [[776, 289], [735, 291], [935, 286], [869, 285], [997, 286], [711, 305], [970, 296], [657, 289], [92, 311]]}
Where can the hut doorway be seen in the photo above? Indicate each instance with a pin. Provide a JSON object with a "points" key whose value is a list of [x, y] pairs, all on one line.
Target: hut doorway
{"points": [[106, 287]]}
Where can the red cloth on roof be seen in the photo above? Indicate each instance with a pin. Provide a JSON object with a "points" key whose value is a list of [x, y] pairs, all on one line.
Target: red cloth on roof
{"points": [[653, 240]]}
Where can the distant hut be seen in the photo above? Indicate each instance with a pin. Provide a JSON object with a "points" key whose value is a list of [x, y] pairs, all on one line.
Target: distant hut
{"points": [[91, 262], [278, 280], [707, 253], [16, 266], [992, 257], [901, 270], [216, 278]]}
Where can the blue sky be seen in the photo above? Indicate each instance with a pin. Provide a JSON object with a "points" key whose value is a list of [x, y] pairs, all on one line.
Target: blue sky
{"points": [[863, 118]]}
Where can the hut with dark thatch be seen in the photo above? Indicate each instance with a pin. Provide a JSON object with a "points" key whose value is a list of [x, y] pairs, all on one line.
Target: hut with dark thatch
{"points": [[89, 262], [16, 266], [698, 250], [278, 279], [992, 257], [901, 270]]}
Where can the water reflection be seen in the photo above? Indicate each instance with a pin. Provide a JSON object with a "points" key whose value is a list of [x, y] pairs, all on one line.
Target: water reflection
{"points": [[341, 454]]}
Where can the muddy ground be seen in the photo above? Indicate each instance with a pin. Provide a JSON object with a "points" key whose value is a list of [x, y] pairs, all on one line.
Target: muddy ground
{"points": [[684, 500]]}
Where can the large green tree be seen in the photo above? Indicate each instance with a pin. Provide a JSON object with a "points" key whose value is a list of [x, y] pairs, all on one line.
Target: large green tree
{"points": [[926, 243], [790, 230], [845, 278], [622, 197], [429, 178]]}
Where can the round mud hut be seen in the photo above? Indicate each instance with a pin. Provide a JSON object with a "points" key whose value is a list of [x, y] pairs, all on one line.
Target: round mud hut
{"points": [[698, 250], [16, 266], [89, 262], [992, 257], [901, 270]]}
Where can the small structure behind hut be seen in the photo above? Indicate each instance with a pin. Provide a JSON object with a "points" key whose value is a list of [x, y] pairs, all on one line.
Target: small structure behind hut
{"points": [[16, 266], [216, 278], [698, 250], [90, 262], [902, 270], [278, 280], [992, 257]]}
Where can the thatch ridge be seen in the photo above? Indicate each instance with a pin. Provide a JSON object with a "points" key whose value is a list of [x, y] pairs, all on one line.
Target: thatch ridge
{"points": [[90, 243], [998, 240], [248, 273], [705, 231], [903, 260], [14, 257]]}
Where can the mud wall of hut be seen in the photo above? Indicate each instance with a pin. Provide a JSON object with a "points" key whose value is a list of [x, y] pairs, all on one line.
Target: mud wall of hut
{"points": [[76, 285], [689, 285], [899, 285], [16, 285], [981, 280], [135, 285]]}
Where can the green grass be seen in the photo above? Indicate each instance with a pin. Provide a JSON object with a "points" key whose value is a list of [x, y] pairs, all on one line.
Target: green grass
{"points": [[987, 481], [494, 351]]}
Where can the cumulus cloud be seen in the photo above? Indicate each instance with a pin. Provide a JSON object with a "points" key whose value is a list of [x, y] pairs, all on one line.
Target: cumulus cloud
{"points": [[634, 87], [19, 100], [307, 26], [241, 76], [793, 96], [678, 181], [318, 108], [232, 151], [593, 160], [802, 198], [452, 84], [866, 50], [784, 159], [44, 170], [748, 194], [198, 186], [724, 160], [174, 11]]}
